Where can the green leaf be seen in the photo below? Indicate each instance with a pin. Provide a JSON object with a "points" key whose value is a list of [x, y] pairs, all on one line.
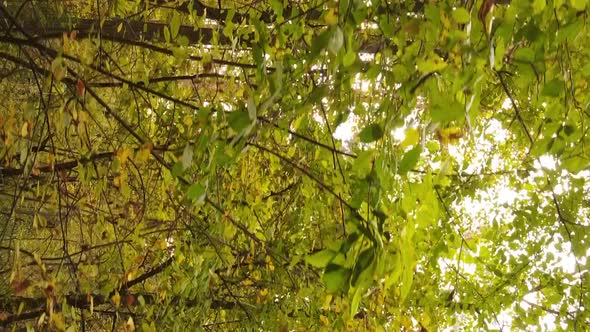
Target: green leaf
{"points": [[525, 54], [407, 277], [363, 163], [177, 169], [350, 241], [363, 263], [187, 156], [553, 88], [277, 7], [386, 25], [196, 193], [360, 190], [371, 133], [539, 6], [321, 259], [182, 41], [356, 300], [336, 40], [349, 58], [343, 6], [166, 34], [251, 109], [430, 64], [447, 112], [228, 29], [461, 15], [400, 73], [499, 52], [335, 278], [374, 71], [569, 129], [570, 31], [317, 94], [239, 121], [258, 55], [575, 165], [579, 5], [433, 14], [320, 43], [175, 24], [409, 160]]}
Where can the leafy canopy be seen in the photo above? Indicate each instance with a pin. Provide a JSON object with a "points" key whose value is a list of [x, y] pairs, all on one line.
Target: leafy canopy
{"points": [[279, 165]]}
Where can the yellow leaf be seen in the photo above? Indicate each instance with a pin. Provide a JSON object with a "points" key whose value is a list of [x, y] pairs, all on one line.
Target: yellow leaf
{"points": [[188, 120], [57, 322], [51, 160], [269, 264], [24, 131], [148, 328], [116, 299], [82, 117], [143, 154], [206, 59], [449, 135], [256, 275], [331, 18], [324, 320], [264, 292], [426, 320], [123, 154], [539, 6], [129, 325], [327, 302], [58, 69], [120, 27], [444, 19], [129, 275], [407, 322], [41, 320], [161, 244], [117, 181], [338, 306], [412, 137], [66, 42], [350, 325]]}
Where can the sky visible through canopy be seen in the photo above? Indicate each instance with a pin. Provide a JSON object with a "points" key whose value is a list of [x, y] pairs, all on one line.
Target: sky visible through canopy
{"points": [[493, 204]]}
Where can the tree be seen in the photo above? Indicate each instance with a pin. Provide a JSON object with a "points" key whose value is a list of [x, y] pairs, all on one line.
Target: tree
{"points": [[182, 164]]}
